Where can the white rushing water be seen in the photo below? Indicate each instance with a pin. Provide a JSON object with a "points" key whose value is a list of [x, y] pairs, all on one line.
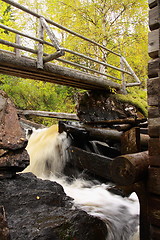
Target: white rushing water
{"points": [[48, 155]]}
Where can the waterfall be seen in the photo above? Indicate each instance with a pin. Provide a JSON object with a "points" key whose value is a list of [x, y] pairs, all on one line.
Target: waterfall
{"points": [[48, 155]]}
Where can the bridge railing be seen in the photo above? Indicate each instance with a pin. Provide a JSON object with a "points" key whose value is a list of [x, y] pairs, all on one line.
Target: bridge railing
{"points": [[122, 73]]}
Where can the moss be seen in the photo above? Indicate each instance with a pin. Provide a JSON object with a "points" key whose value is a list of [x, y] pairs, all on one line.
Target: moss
{"points": [[137, 99]]}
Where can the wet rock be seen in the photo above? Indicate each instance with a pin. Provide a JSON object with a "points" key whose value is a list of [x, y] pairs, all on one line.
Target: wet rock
{"points": [[13, 156], [40, 210], [4, 231]]}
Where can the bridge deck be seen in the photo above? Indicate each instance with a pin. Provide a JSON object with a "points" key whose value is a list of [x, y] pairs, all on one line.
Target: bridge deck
{"points": [[26, 67]]}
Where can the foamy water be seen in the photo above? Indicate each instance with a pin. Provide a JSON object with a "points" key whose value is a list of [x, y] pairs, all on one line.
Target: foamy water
{"points": [[48, 155]]}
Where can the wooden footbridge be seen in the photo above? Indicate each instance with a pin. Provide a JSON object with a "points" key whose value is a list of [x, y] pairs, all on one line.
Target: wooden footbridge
{"points": [[34, 63]]}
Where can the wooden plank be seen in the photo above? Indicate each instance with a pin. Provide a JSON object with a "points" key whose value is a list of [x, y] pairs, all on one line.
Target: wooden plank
{"points": [[153, 85], [154, 18], [154, 43], [130, 141], [154, 213], [130, 168], [27, 68], [154, 180], [152, 3], [154, 127], [94, 163], [154, 68]]}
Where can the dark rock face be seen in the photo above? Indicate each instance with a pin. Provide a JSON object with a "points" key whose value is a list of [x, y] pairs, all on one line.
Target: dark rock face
{"points": [[40, 210]]}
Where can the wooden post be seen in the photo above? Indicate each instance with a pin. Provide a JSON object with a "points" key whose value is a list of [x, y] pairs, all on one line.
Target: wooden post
{"points": [[17, 50], [40, 47], [154, 120]]}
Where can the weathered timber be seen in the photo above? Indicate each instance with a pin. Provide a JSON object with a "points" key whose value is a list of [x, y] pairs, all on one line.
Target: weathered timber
{"points": [[96, 106], [130, 141], [4, 230], [153, 112], [154, 44], [154, 213], [86, 133], [131, 121], [155, 232], [154, 146], [142, 193], [154, 180], [58, 115], [40, 47], [25, 124], [130, 168], [152, 3], [122, 127], [153, 85], [27, 68], [154, 127], [154, 18], [94, 163], [154, 68], [53, 56]]}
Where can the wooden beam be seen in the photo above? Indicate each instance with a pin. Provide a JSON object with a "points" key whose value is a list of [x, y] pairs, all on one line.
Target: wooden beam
{"points": [[130, 168], [58, 115], [27, 68], [94, 163]]}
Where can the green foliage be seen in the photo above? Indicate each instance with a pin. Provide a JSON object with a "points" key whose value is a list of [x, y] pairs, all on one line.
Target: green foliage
{"points": [[36, 95], [120, 25]]}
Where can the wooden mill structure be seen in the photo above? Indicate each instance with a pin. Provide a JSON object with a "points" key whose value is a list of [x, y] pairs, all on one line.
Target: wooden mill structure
{"points": [[37, 65], [153, 184]]}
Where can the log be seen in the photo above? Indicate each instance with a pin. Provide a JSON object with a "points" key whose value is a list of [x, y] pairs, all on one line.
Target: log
{"points": [[154, 18], [153, 85], [87, 133], [130, 168], [27, 68], [58, 115], [94, 163], [152, 3], [154, 180], [154, 127], [154, 68], [154, 213], [154, 44], [130, 141], [155, 232]]}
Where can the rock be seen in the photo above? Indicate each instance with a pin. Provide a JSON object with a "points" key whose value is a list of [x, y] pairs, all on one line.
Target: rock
{"points": [[11, 133], [40, 210], [101, 106], [13, 156], [4, 231]]}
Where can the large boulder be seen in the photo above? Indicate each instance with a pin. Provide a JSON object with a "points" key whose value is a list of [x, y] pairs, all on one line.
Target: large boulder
{"points": [[40, 210]]}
